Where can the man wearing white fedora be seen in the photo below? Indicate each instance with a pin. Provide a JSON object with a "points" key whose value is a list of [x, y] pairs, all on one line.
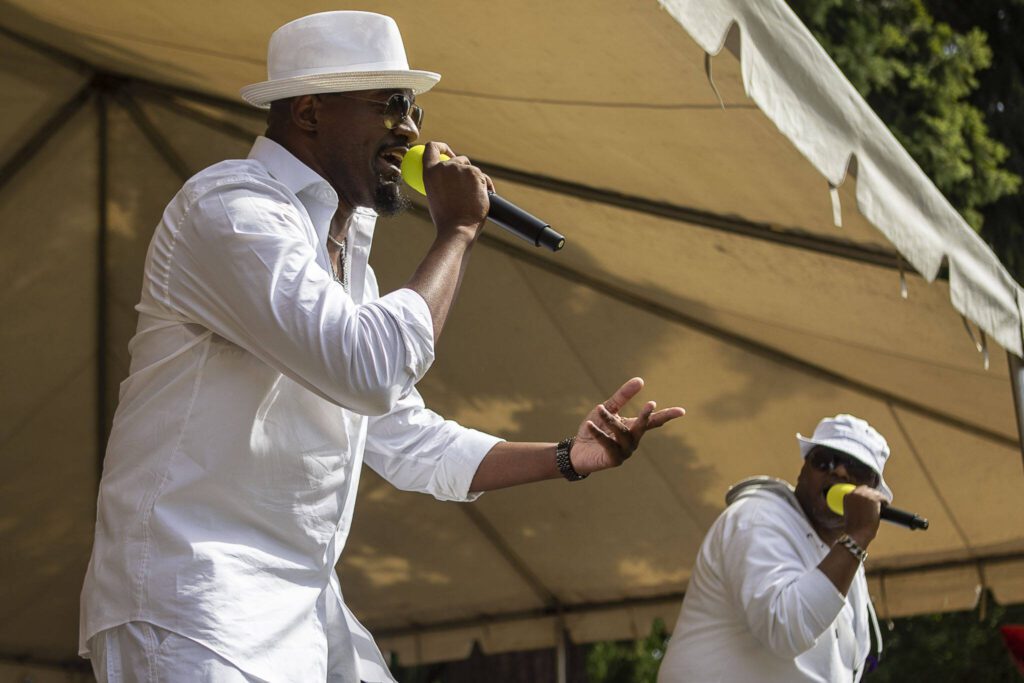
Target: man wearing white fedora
{"points": [[778, 590], [267, 368]]}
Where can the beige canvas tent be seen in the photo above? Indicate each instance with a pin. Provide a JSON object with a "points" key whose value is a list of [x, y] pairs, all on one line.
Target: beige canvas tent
{"points": [[742, 231]]}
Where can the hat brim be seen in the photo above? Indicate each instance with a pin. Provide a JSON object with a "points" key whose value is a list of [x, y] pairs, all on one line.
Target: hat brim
{"points": [[262, 94], [848, 447]]}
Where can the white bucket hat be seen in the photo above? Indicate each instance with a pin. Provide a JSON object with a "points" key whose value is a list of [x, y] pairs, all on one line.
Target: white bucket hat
{"points": [[852, 436], [336, 52]]}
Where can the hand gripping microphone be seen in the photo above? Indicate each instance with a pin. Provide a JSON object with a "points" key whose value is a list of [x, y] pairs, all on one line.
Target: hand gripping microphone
{"points": [[503, 212], [835, 496]]}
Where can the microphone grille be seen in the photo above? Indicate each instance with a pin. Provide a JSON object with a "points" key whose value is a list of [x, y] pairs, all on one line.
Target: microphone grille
{"points": [[412, 168], [835, 496]]}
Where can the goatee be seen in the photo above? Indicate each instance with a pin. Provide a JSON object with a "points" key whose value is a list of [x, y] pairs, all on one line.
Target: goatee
{"points": [[388, 199]]}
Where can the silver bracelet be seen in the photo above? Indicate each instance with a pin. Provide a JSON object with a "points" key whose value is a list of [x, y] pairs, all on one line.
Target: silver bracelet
{"points": [[851, 545]]}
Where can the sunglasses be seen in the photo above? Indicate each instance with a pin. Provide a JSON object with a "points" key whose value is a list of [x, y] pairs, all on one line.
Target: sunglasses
{"points": [[827, 460], [396, 108]]}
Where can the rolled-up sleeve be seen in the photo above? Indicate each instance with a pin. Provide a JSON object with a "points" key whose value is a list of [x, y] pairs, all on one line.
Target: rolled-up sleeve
{"points": [[787, 606], [415, 449], [243, 264]]}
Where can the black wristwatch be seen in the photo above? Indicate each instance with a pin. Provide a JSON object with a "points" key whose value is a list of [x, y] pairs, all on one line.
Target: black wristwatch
{"points": [[564, 462]]}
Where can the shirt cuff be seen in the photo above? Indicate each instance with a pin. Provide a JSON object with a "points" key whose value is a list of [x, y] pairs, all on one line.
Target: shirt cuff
{"points": [[823, 599], [456, 469], [415, 326]]}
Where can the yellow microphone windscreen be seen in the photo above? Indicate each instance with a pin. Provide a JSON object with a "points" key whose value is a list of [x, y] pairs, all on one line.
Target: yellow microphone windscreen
{"points": [[412, 168], [835, 496]]}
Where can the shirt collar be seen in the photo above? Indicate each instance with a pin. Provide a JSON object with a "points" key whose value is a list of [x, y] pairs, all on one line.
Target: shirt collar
{"points": [[303, 181], [285, 167]]}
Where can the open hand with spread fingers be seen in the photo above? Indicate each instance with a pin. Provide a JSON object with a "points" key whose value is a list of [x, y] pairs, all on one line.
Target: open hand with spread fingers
{"points": [[606, 439]]}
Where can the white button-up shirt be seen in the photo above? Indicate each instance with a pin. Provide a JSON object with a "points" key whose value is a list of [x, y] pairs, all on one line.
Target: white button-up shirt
{"points": [[257, 388], [758, 609]]}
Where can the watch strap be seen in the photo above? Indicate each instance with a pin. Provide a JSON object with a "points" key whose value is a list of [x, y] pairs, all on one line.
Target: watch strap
{"points": [[564, 462]]}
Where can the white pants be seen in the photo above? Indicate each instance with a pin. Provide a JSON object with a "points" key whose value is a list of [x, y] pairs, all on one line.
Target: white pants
{"points": [[139, 652]]}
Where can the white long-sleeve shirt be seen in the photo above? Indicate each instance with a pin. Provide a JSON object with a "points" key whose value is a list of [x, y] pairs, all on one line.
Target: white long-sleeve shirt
{"points": [[257, 388], [758, 609]]}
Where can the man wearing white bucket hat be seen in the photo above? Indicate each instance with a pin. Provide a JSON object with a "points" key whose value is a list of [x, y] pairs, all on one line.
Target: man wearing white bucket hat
{"points": [[778, 590], [267, 368]]}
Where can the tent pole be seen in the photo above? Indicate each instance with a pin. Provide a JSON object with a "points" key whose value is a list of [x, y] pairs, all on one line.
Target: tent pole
{"points": [[102, 196], [561, 651], [785, 236], [28, 150], [1017, 386], [169, 102], [66, 59], [516, 563], [158, 141]]}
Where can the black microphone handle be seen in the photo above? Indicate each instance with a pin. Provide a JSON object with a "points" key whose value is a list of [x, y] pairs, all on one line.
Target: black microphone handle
{"points": [[523, 224], [903, 518]]}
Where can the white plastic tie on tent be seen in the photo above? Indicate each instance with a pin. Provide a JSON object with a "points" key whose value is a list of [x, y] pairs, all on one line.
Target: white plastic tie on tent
{"points": [[711, 79], [979, 593], [901, 264], [980, 341], [982, 597], [837, 207]]}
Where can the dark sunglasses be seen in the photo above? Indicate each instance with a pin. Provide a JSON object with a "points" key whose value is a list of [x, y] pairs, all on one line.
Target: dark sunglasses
{"points": [[827, 460], [396, 108]]}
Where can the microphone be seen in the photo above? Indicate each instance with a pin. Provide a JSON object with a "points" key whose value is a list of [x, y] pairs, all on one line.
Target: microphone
{"points": [[835, 496], [503, 212]]}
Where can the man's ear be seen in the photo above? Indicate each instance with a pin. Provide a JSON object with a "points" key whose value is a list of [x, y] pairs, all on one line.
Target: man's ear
{"points": [[304, 111]]}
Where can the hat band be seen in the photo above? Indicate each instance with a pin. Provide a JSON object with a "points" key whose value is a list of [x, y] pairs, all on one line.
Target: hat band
{"points": [[262, 94], [391, 65]]}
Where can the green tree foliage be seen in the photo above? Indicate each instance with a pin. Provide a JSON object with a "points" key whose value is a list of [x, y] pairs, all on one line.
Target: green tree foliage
{"points": [[628, 662], [1000, 95], [935, 87], [954, 647]]}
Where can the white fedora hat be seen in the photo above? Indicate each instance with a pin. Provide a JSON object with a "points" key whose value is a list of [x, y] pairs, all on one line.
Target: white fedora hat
{"points": [[852, 436], [336, 52]]}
